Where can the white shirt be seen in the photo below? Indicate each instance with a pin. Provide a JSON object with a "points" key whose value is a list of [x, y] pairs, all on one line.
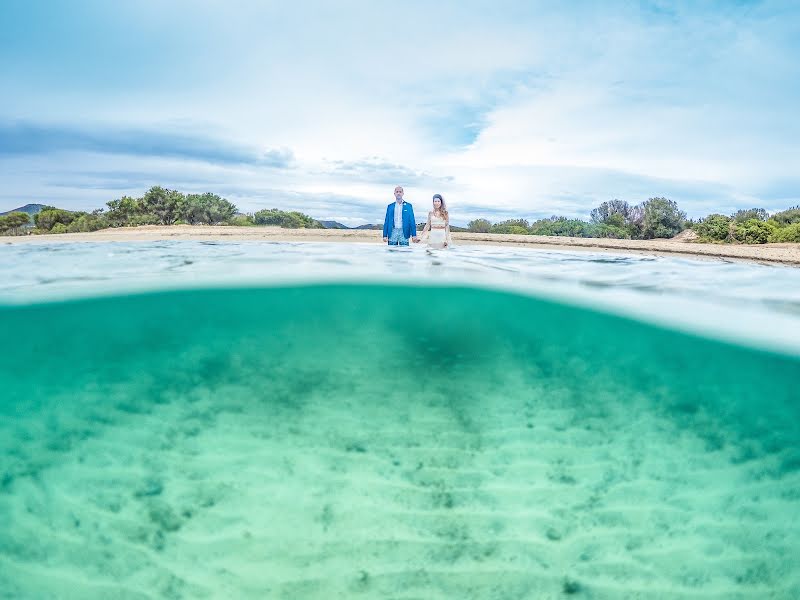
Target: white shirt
{"points": [[398, 215]]}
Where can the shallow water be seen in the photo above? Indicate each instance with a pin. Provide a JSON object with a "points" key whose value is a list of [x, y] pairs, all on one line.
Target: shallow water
{"points": [[375, 440]]}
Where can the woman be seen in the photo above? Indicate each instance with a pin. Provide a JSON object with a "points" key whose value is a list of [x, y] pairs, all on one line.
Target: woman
{"points": [[437, 229]]}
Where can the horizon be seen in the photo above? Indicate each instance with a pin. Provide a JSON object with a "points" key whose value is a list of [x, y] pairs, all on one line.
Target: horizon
{"points": [[516, 111]]}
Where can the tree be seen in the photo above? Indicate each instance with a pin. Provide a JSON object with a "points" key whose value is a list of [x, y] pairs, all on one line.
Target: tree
{"points": [[12, 223], [661, 218], [49, 217], [479, 226], [740, 216], [162, 204], [618, 210], [123, 211], [205, 208], [787, 217]]}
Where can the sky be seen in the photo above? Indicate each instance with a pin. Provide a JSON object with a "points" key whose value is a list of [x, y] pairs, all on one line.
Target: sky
{"points": [[508, 109]]}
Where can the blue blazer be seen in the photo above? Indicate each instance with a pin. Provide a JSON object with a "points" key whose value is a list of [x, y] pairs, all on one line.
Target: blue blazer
{"points": [[409, 225]]}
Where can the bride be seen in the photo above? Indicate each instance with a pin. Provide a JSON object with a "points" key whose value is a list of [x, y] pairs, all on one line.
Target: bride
{"points": [[437, 229]]}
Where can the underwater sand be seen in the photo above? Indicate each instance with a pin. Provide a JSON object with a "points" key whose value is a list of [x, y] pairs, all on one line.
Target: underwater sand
{"points": [[373, 441]]}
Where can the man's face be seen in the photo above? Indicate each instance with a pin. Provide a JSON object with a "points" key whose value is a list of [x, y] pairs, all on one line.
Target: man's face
{"points": [[398, 194]]}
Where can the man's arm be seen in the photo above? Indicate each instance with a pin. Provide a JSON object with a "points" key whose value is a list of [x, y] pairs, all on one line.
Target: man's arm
{"points": [[413, 224], [386, 229]]}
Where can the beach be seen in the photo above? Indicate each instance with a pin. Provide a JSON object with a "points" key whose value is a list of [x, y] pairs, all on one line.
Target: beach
{"points": [[788, 254]]}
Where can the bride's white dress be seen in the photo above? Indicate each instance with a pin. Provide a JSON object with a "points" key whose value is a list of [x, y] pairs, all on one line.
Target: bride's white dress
{"points": [[438, 234]]}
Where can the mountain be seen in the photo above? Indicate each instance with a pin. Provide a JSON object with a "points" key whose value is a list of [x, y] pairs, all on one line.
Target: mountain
{"points": [[30, 209], [333, 225], [369, 227]]}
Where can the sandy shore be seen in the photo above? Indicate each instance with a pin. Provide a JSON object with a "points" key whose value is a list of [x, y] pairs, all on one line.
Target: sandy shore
{"points": [[788, 254]]}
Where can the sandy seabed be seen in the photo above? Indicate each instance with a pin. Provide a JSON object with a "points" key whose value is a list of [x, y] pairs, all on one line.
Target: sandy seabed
{"points": [[254, 444], [787, 253]]}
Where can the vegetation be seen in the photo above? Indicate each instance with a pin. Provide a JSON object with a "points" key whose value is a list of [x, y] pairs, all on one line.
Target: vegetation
{"points": [[158, 206], [293, 220], [750, 226], [653, 218], [12, 223], [789, 233], [658, 218]]}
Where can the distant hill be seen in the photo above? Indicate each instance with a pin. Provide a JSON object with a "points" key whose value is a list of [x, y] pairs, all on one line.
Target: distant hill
{"points": [[333, 225], [369, 226], [30, 209]]}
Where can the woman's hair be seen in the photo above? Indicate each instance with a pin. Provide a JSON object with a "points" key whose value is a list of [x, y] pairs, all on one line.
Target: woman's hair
{"points": [[443, 210]]}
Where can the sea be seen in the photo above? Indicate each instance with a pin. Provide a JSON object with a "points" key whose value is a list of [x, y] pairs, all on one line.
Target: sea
{"points": [[186, 419]]}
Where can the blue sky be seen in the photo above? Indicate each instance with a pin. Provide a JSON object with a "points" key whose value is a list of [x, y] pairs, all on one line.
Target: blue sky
{"points": [[506, 108]]}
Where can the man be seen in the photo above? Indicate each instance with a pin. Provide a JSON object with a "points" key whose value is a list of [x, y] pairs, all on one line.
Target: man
{"points": [[399, 224]]}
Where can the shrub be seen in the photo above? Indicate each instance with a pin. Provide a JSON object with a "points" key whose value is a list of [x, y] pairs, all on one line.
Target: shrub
{"points": [[88, 222], [754, 231], [561, 226], [605, 230], [518, 226], [241, 221], [479, 226], [790, 233], [289, 220], [713, 227]]}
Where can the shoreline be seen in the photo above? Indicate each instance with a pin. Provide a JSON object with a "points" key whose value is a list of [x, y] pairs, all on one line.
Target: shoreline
{"points": [[785, 253]]}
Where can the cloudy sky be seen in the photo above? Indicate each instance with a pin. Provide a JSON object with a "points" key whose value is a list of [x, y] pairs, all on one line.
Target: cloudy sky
{"points": [[506, 108]]}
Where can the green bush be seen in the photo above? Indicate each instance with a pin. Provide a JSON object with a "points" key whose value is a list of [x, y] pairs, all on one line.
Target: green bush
{"points": [[88, 222], [59, 228], [288, 220], [787, 217], [754, 231], [561, 226], [518, 226], [606, 230], [479, 226], [789, 233], [242, 221], [661, 218], [713, 227]]}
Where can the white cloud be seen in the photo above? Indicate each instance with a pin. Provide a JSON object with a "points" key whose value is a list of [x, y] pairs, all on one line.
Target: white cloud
{"points": [[503, 107]]}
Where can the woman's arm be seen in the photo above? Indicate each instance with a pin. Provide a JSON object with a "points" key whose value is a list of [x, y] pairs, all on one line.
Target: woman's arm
{"points": [[448, 239], [427, 227]]}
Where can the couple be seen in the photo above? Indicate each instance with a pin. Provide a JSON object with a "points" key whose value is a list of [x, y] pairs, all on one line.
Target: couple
{"points": [[399, 224]]}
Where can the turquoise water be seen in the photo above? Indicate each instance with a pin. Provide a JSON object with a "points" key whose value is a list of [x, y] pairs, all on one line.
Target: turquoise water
{"points": [[393, 440]]}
